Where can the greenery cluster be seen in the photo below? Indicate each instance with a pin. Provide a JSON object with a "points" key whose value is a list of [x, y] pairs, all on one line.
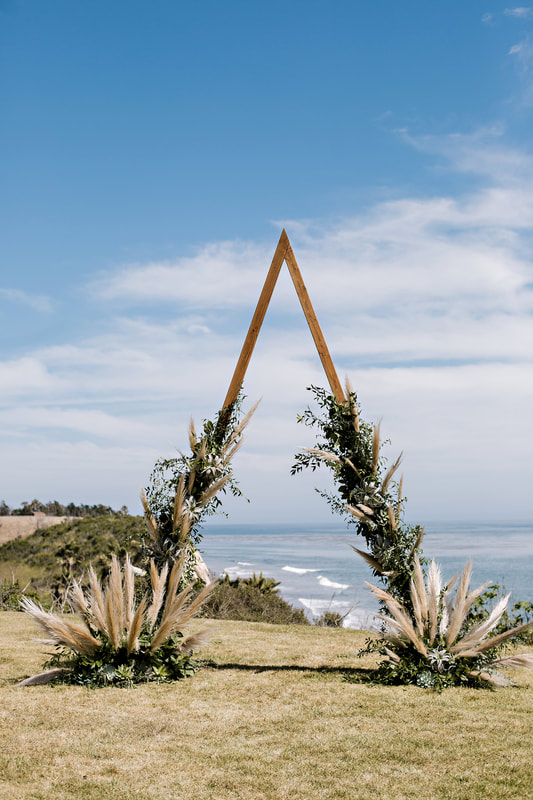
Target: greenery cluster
{"points": [[437, 674], [364, 488], [329, 619], [111, 667], [53, 508], [11, 593]]}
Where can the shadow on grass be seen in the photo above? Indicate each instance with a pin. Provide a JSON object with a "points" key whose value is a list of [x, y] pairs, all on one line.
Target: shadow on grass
{"points": [[351, 673]]}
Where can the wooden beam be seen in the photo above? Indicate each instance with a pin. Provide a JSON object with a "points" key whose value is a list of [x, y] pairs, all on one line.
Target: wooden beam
{"points": [[314, 327], [257, 321]]}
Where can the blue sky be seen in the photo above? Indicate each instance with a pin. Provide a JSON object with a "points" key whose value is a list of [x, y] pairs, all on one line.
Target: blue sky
{"points": [[151, 154]]}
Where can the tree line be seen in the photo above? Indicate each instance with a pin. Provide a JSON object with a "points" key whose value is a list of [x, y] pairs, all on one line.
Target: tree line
{"points": [[56, 509]]}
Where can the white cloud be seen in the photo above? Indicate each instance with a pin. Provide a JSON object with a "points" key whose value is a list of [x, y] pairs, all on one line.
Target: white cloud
{"points": [[37, 302], [521, 11]]}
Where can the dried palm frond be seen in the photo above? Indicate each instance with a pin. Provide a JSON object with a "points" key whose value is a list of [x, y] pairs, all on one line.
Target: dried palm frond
{"points": [[43, 677]]}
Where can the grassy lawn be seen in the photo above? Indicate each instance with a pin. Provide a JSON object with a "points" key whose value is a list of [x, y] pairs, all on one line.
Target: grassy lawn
{"points": [[272, 719]]}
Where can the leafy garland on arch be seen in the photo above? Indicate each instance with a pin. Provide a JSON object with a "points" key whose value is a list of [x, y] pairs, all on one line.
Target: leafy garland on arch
{"points": [[184, 490], [429, 637], [367, 494]]}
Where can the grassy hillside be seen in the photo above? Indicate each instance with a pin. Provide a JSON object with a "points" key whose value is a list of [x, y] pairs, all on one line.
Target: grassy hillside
{"points": [[51, 556], [270, 719]]}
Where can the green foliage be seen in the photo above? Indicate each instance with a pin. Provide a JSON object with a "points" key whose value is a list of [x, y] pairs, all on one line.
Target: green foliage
{"points": [[329, 619], [265, 585], [244, 599], [350, 449], [118, 668], [11, 593]]}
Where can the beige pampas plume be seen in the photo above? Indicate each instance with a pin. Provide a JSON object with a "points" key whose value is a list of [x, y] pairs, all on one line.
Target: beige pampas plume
{"points": [[60, 630], [364, 513], [388, 477], [371, 561], [152, 524], [375, 447], [192, 435], [323, 454], [159, 582], [351, 405]]}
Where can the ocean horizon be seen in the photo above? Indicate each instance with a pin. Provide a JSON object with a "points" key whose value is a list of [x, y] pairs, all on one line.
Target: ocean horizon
{"points": [[319, 571]]}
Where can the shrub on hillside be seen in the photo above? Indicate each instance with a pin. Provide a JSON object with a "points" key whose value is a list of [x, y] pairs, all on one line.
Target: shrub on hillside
{"points": [[243, 599]]}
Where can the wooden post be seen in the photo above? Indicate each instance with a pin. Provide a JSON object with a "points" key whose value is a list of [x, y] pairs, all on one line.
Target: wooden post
{"points": [[257, 321], [314, 327], [283, 253]]}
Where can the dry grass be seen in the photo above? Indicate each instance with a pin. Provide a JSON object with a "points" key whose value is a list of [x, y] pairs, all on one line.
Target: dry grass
{"points": [[273, 721], [22, 527]]}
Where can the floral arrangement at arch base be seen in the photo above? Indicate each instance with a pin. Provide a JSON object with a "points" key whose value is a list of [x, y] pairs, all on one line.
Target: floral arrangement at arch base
{"points": [[121, 642], [430, 643], [430, 637]]}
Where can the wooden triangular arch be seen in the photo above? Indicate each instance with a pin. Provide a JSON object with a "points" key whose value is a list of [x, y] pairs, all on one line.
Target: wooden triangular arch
{"points": [[283, 253]]}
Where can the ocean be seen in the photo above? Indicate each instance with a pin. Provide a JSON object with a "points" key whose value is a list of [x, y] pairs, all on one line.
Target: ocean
{"points": [[318, 570]]}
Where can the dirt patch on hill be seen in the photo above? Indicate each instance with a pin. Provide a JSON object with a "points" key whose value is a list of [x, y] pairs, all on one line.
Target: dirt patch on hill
{"points": [[21, 527]]}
